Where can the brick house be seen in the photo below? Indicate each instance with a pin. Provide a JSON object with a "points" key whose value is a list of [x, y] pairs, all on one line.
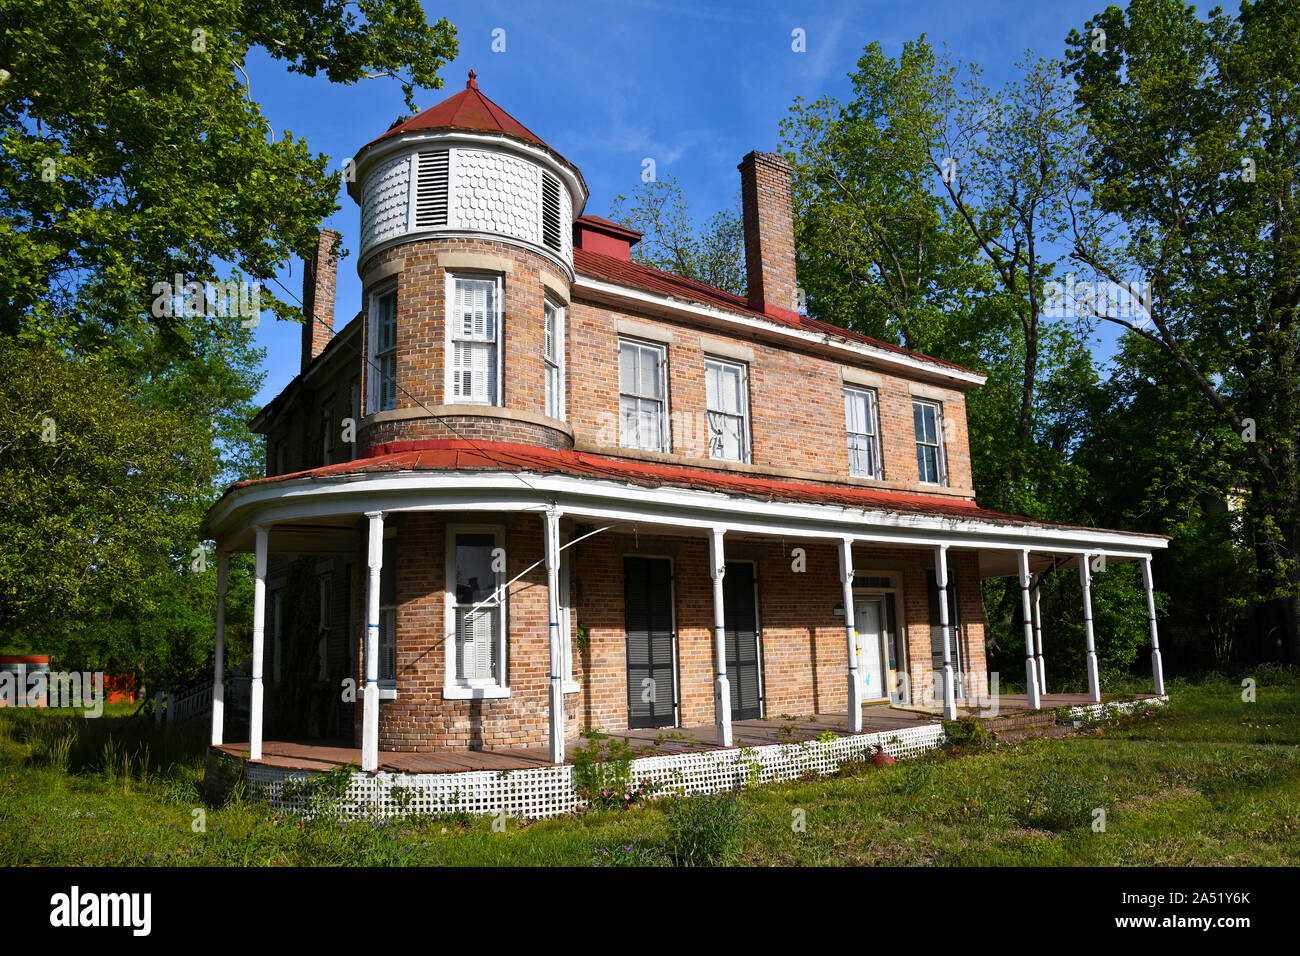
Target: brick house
{"points": [[534, 487]]}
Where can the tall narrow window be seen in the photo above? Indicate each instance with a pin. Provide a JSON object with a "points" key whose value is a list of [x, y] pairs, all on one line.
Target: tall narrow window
{"points": [[642, 396], [354, 409], [862, 423], [388, 618], [383, 352], [277, 632], [474, 347], [475, 578], [327, 436], [726, 384], [554, 358], [550, 212], [928, 420], [323, 628]]}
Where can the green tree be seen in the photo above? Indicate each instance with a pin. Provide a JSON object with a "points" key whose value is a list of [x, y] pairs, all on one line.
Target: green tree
{"points": [[1194, 152]]}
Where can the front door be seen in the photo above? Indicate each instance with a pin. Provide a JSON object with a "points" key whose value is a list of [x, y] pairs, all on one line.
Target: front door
{"points": [[651, 642], [741, 616], [869, 617]]}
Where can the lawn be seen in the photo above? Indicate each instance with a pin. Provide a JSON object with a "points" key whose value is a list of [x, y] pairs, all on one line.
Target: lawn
{"points": [[1211, 780]]}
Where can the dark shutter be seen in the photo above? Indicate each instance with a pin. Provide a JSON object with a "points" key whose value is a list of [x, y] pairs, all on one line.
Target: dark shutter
{"points": [[550, 212], [647, 602], [431, 189], [741, 620]]}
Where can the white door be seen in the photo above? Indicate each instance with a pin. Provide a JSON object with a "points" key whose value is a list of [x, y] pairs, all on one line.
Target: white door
{"points": [[869, 619]]}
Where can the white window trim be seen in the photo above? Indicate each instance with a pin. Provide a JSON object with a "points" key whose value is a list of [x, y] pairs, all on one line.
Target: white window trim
{"points": [[571, 686], [941, 458], [559, 364], [873, 397], [746, 449], [665, 420], [374, 395], [454, 687], [449, 298]]}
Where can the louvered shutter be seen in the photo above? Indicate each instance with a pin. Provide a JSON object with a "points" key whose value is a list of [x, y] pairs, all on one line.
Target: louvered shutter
{"points": [[476, 637], [431, 189], [647, 600], [474, 353], [550, 212], [741, 641], [388, 645]]}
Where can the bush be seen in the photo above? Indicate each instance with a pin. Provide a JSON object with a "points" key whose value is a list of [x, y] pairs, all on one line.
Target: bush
{"points": [[967, 734], [704, 829], [602, 773]]}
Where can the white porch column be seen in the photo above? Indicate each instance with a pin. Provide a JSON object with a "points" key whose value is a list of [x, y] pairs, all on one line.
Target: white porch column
{"points": [[1157, 666], [1085, 581], [854, 690], [370, 698], [1038, 636], [219, 653], [551, 542], [941, 582], [1027, 611], [721, 687], [259, 643]]}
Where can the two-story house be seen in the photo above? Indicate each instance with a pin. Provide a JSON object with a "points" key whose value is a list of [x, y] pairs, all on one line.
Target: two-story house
{"points": [[534, 487]]}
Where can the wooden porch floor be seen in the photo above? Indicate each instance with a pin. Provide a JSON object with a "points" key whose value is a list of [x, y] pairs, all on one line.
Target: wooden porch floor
{"points": [[326, 754]]}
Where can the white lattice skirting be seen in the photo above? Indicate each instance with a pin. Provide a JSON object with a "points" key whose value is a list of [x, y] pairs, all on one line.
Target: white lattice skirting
{"points": [[540, 792], [1114, 708]]}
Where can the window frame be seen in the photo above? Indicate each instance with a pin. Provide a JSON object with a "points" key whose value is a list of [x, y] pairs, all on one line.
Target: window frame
{"points": [[388, 616], [324, 628], [327, 435], [554, 363], [665, 429], [496, 400], [454, 686], [941, 465], [873, 403], [746, 450], [374, 374]]}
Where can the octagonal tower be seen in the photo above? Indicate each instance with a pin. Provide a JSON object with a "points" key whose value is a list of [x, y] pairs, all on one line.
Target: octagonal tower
{"points": [[466, 262]]}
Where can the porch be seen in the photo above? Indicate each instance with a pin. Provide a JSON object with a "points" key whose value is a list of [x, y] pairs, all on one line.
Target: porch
{"points": [[882, 719]]}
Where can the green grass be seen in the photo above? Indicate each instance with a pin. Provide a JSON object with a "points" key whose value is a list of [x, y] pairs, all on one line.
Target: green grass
{"points": [[1211, 780]]}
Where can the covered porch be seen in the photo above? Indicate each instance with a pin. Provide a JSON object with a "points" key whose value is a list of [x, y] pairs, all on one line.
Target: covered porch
{"points": [[342, 510]]}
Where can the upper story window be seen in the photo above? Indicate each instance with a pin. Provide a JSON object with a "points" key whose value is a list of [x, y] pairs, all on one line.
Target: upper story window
{"points": [[862, 423], [354, 410], [554, 358], [474, 340], [476, 607], [327, 436], [726, 387], [928, 419], [383, 352], [642, 399], [550, 212]]}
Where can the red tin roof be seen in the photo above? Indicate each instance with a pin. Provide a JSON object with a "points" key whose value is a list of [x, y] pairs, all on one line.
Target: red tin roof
{"points": [[460, 455], [467, 110], [624, 272]]}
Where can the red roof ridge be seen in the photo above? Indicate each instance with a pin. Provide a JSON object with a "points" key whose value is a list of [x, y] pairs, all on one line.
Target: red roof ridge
{"points": [[626, 272]]}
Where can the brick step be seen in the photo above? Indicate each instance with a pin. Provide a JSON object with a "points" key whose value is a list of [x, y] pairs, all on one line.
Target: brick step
{"points": [[1020, 721]]}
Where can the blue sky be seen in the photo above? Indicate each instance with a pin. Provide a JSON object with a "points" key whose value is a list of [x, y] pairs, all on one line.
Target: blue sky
{"points": [[694, 85]]}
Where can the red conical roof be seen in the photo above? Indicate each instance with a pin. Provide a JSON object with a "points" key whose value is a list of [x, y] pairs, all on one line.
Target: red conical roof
{"points": [[468, 110]]}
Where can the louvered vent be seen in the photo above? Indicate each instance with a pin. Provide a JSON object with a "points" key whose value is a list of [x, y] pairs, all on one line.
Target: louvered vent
{"points": [[550, 212], [431, 190]]}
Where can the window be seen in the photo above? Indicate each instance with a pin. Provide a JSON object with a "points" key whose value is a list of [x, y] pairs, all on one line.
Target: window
{"points": [[354, 409], [383, 352], [327, 436], [474, 340], [323, 628], [642, 396], [726, 386], [554, 358], [388, 620], [431, 178], [566, 624], [928, 419], [277, 623], [862, 422], [476, 578]]}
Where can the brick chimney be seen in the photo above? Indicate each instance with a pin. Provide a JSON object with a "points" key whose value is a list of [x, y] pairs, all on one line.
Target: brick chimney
{"points": [[769, 233], [318, 281]]}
